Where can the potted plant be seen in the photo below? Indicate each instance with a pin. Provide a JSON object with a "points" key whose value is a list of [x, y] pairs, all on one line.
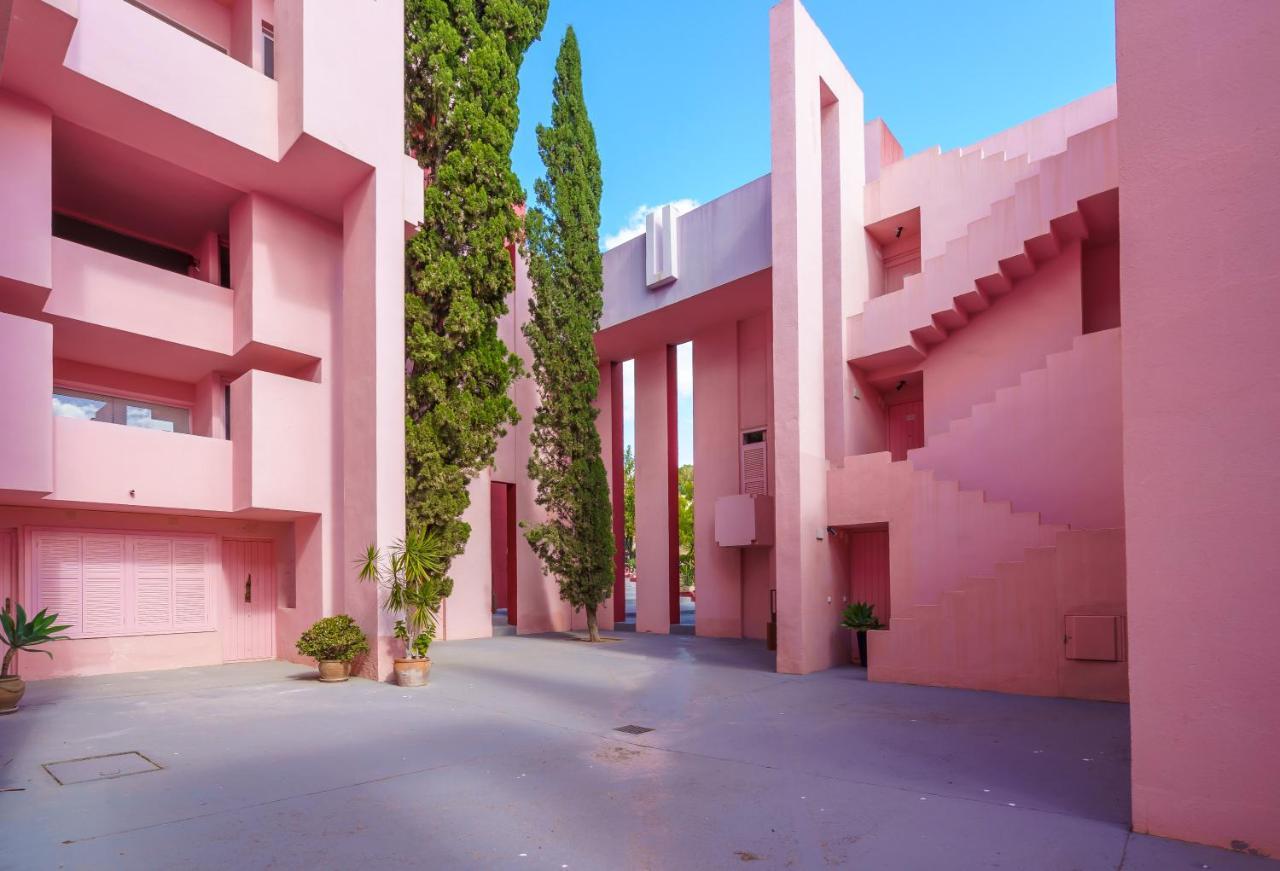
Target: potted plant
{"points": [[23, 634], [412, 576], [860, 616], [333, 642]]}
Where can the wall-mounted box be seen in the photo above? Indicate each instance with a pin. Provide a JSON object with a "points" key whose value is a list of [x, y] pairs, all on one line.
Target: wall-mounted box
{"points": [[1100, 638], [744, 520]]}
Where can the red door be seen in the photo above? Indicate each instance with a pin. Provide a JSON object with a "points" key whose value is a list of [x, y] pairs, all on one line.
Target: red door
{"points": [[906, 428], [249, 600]]}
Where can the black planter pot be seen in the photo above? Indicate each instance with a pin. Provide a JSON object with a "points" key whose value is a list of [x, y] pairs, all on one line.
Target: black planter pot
{"points": [[862, 647]]}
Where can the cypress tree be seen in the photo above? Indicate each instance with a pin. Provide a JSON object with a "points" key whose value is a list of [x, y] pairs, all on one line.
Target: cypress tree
{"points": [[462, 59], [575, 542]]}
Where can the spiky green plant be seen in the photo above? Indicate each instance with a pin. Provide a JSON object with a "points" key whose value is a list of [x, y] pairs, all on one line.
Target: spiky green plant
{"points": [[23, 634], [412, 575], [860, 616]]}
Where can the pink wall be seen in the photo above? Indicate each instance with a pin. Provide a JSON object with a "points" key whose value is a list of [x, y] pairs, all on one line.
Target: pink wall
{"points": [[1199, 269], [25, 171], [26, 383]]}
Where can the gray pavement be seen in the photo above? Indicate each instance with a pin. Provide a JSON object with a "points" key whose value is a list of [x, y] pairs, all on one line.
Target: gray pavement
{"points": [[509, 759]]}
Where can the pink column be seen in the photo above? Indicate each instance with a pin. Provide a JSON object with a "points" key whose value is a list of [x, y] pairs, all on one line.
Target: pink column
{"points": [[617, 493], [715, 474], [1199, 269], [807, 82], [654, 491]]}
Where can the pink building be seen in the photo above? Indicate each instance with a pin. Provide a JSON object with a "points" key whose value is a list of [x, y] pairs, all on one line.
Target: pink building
{"points": [[991, 391], [201, 267], [1008, 393]]}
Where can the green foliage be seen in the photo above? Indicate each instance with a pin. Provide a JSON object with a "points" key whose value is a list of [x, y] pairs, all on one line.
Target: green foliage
{"points": [[684, 496], [412, 574], [462, 58], [629, 505], [23, 634], [575, 542], [859, 615], [337, 638]]}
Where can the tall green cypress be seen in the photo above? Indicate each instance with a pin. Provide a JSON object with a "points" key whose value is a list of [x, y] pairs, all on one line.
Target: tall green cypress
{"points": [[462, 59], [575, 543]]}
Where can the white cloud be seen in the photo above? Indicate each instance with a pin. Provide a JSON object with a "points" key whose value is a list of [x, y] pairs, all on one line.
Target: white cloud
{"points": [[635, 222]]}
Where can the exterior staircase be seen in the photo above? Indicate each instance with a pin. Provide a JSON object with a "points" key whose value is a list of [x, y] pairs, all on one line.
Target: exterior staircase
{"points": [[1068, 410], [1033, 225], [1005, 631]]}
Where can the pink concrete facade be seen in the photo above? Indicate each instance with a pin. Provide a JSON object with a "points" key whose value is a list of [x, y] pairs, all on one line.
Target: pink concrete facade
{"points": [[201, 268]]}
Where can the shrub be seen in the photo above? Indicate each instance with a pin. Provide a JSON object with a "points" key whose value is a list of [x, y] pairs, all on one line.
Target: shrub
{"points": [[333, 638], [860, 615]]}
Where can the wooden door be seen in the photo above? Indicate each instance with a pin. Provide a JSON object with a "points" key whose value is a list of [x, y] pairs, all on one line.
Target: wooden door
{"points": [[906, 428], [248, 621]]}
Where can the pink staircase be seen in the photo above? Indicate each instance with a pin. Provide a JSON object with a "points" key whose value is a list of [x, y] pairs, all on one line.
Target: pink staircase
{"points": [[938, 532], [1023, 230], [1005, 631], [1049, 443]]}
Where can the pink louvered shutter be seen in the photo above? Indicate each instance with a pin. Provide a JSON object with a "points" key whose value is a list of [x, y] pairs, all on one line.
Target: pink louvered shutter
{"points": [[191, 583], [58, 579], [103, 573], [152, 583]]}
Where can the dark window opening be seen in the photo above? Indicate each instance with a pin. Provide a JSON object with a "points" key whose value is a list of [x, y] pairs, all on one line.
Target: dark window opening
{"points": [[226, 413], [224, 263], [268, 50], [113, 242]]}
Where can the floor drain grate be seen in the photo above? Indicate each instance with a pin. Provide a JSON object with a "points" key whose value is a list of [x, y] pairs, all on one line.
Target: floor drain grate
{"points": [[107, 767], [633, 730]]}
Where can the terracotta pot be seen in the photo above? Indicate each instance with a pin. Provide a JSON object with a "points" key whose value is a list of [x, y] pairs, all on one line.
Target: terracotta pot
{"points": [[333, 670], [11, 690], [412, 672]]}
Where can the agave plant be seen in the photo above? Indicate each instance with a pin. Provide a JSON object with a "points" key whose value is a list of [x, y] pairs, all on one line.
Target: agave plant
{"points": [[412, 576], [860, 615], [23, 634]]}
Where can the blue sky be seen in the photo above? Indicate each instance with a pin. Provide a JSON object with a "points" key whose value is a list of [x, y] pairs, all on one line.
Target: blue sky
{"points": [[679, 91]]}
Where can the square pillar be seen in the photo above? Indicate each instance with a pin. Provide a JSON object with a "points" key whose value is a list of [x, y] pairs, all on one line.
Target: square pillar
{"points": [[657, 530], [715, 473]]}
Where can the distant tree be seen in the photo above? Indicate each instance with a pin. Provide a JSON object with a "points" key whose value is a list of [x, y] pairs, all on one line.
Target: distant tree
{"points": [[629, 504], [461, 64], [575, 542], [684, 495]]}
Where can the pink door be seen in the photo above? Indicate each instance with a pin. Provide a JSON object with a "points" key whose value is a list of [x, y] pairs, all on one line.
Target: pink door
{"points": [[906, 428], [249, 600]]}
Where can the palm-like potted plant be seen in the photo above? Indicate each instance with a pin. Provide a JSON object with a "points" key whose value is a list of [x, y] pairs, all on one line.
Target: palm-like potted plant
{"points": [[23, 634], [412, 576], [860, 616], [333, 642]]}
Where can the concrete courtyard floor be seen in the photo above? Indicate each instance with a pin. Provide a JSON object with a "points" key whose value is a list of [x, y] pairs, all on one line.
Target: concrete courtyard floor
{"points": [[509, 759]]}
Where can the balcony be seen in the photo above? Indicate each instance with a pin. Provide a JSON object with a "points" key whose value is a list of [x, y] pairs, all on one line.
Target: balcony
{"points": [[166, 68], [95, 287]]}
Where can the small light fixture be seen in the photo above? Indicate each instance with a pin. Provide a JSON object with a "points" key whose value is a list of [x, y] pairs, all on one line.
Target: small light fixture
{"points": [[898, 235], [901, 384]]}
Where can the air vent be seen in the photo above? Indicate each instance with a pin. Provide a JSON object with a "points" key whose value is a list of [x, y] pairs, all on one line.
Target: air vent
{"points": [[633, 730], [754, 467]]}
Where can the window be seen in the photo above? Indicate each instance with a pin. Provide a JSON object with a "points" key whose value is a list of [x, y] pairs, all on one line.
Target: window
{"points": [[121, 245], [82, 405], [268, 50], [103, 583]]}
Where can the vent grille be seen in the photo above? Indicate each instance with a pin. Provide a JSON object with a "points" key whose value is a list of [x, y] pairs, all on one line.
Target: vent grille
{"points": [[633, 730], [755, 463]]}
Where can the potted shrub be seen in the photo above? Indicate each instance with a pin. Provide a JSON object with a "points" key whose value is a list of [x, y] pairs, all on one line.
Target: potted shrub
{"points": [[23, 634], [333, 642], [412, 576], [860, 616]]}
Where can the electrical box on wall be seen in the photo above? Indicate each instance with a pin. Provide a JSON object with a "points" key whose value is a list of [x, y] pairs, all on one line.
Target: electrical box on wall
{"points": [[744, 520], [661, 246], [1100, 638]]}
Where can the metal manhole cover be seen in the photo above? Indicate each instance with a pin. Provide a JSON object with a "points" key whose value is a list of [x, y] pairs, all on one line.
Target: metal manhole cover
{"points": [[107, 767], [633, 730]]}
